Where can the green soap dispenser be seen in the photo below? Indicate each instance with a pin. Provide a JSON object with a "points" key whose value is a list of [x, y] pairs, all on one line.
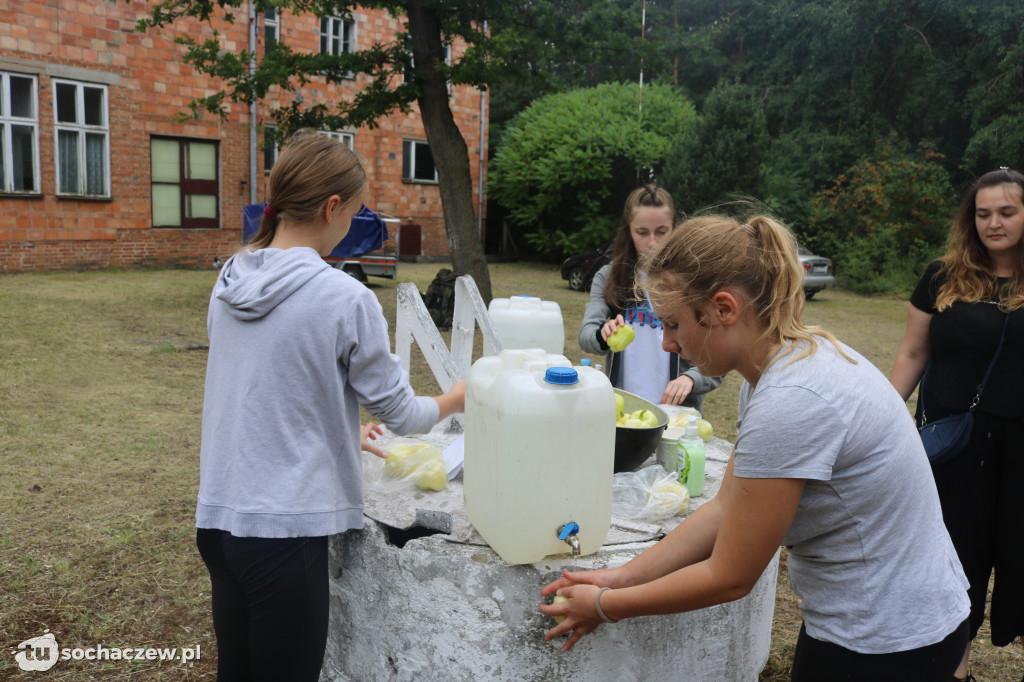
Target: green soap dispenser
{"points": [[691, 458]]}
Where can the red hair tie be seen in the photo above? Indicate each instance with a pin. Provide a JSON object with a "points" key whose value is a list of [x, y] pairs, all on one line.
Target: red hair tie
{"points": [[269, 211]]}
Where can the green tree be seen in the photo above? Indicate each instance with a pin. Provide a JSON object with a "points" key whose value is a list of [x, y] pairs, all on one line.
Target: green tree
{"points": [[995, 101], [429, 26], [999, 143], [506, 42], [569, 160], [580, 45], [722, 157], [944, 73]]}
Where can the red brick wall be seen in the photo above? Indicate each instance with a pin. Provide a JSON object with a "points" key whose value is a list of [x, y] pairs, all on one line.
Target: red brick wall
{"points": [[127, 249], [148, 87]]}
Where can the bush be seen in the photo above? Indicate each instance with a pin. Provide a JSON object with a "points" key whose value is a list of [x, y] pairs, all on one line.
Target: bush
{"points": [[859, 270], [883, 220], [800, 164], [568, 161]]}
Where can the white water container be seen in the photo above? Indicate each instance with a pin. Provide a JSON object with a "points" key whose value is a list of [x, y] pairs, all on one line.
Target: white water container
{"points": [[527, 322], [538, 455]]}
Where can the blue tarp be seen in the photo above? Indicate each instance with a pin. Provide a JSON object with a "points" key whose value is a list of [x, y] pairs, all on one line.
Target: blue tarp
{"points": [[367, 233]]}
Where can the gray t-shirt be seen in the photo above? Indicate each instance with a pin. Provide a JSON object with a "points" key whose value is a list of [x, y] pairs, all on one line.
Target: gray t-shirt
{"points": [[868, 552]]}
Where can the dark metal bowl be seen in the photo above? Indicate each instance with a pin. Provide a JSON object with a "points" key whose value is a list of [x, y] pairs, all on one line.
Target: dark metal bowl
{"points": [[633, 446]]}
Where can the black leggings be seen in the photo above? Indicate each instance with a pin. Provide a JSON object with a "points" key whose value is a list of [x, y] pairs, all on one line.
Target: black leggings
{"points": [[816, 660], [270, 605]]}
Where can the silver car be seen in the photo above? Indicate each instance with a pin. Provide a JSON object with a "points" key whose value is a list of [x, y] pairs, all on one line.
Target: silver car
{"points": [[818, 272]]}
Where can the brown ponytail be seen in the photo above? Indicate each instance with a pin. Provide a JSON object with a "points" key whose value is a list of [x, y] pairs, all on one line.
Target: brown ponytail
{"points": [[310, 169], [268, 228]]}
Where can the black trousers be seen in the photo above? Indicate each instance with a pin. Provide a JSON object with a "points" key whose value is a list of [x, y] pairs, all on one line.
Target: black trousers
{"points": [[815, 660], [270, 605], [983, 508]]}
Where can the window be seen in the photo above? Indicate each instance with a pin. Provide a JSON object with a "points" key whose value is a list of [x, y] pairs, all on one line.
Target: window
{"points": [[417, 162], [185, 182], [19, 134], [407, 73], [83, 139], [347, 139], [271, 28], [270, 148], [337, 36]]}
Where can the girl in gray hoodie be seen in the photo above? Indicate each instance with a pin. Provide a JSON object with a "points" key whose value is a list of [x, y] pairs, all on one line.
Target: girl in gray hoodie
{"points": [[295, 348]]}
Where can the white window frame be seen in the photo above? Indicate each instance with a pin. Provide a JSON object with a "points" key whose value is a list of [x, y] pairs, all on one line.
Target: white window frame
{"points": [[344, 46], [447, 62], [347, 139], [81, 129], [409, 148], [271, 27], [7, 121]]}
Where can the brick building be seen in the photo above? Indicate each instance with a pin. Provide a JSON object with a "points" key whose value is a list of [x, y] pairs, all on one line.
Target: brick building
{"points": [[97, 170]]}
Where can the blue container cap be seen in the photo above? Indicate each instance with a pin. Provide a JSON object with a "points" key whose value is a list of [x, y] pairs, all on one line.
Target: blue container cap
{"points": [[585, 362], [563, 376]]}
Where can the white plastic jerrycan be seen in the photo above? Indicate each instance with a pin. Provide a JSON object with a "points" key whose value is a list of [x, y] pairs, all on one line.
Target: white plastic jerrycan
{"points": [[539, 455], [527, 322]]}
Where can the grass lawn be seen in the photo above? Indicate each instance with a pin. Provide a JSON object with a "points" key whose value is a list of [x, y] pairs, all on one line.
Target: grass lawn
{"points": [[101, 382]]}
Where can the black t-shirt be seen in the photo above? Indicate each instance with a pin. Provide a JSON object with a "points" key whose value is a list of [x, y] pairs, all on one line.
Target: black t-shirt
{"points": [[963, 338]]}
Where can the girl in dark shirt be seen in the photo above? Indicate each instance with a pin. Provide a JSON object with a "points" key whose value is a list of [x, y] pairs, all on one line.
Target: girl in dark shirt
{"points": [[955, 319]]}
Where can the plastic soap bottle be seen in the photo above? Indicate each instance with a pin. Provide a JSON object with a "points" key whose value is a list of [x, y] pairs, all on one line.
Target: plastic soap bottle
{"points": [[690, 448]]}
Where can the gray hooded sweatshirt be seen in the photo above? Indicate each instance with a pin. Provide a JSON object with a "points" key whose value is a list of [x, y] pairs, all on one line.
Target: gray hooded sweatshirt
{"points": [[295, 348]]}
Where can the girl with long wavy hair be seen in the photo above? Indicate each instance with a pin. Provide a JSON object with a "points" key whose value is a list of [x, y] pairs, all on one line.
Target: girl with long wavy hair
{"points": [[955, 319]]}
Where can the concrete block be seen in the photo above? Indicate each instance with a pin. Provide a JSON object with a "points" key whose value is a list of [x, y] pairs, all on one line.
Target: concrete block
{"points": [[439, 610], [418, 596]]}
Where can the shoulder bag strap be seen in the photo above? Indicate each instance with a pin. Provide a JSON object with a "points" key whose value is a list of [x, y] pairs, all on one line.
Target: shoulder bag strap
{"points": [[992, 364]]}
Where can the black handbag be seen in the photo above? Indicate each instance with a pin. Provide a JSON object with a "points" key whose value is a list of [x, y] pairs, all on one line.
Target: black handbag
{"points": [[946, 438]]}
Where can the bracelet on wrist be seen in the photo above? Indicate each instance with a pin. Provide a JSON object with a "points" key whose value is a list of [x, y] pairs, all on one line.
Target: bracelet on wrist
{"points": [[597, 606]]}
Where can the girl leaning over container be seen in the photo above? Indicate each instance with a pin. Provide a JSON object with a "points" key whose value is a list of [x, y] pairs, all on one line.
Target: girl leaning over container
{"points": [[827, 461]]}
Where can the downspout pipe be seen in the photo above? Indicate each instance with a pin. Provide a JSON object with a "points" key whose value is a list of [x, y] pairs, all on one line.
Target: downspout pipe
{"points": [[252, 105], [480, 179]]}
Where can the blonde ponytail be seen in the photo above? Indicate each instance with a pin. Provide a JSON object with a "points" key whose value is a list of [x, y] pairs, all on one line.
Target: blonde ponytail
{"points": [[758, 258]]}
